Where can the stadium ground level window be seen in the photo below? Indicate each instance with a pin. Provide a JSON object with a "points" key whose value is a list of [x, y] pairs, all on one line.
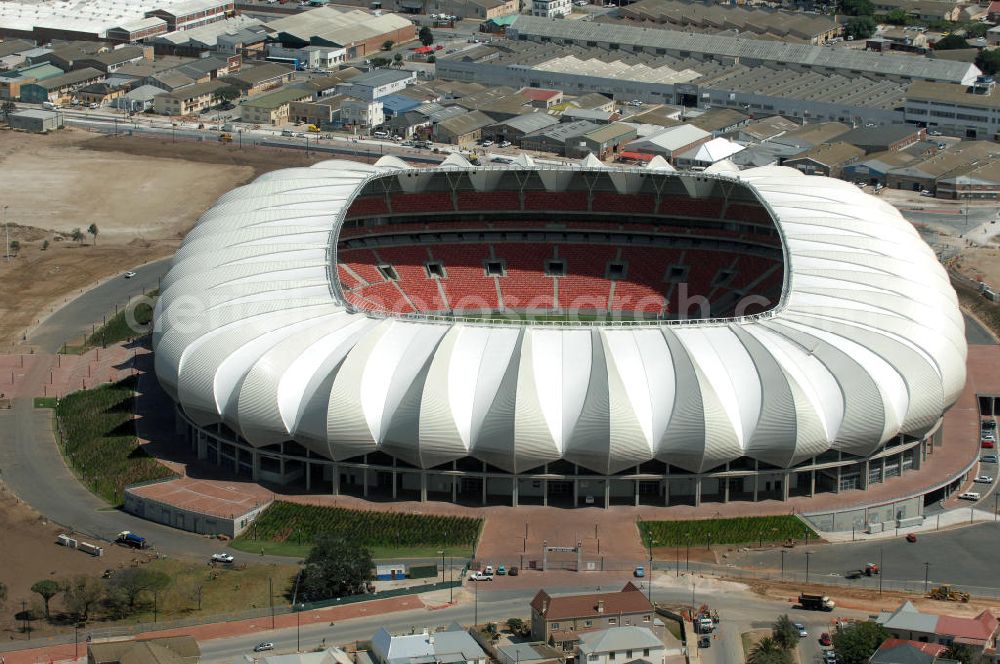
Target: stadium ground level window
{"points": [[616, 270], [434, 270], [388, 272], [494, 269], [555, 268], [677, 273]]}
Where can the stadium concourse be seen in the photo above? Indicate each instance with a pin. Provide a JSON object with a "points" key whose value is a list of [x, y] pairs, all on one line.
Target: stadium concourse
{"points": [[552, 335]]}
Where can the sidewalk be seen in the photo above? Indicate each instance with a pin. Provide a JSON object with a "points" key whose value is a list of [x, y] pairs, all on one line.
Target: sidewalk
{"points": [[953, 518]]}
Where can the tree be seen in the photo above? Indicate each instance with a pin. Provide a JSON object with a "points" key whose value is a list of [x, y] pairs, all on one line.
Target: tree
{"points": [[950, 43], [856, 645], [431, 59], [93, 230], [45, 245], [516, 625], [81, 594], [131, 583], [398, 59], [387, 45], [336, 567], [425, 36], [379, 62], [228, 93], [896, 17], [3, 592], [47, 588], [768, 651], [77, 235], [15, 247], [785, 634], [961, 653], [857, 7], [7, 108], [976, 29], [860, 27], [989, 61]]}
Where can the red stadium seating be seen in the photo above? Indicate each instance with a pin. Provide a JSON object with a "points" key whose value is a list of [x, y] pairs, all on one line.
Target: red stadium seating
{"points": [[367, 206], [362, 263], [754, 214], [429, 202], [605, 201], [699, 208], [488, 200], [585, 285], [555, 200], [526, 286], [466, 286]]}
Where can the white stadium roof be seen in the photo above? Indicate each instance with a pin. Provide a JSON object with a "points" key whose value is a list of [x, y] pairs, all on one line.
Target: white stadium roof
{"points": [[867, 343]]}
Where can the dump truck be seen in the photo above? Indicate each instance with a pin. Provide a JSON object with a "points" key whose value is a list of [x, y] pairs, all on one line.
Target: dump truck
{"points": [[132, 539], [816, 602]]}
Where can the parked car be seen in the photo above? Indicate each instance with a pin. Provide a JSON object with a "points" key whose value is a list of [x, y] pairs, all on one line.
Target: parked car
{"points": [[488, 570], [504, 144], [222, 558], [705, 642], [988, 435], [926, 192], [487, 143], [129, 275], [988, 444], [969, 495], [802, 629], [825, 640], [989, 424], [983, 479], [514, 571], [261, 647], [501, 570], [639, 572], [989, 458], [911, 538], [479, 576]]}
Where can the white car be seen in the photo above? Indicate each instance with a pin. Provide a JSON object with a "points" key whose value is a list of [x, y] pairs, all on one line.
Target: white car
{"points": [[504, 144], [926, 192], [261, 647], [988, 435], [479, 576], [969, 495], [222, 558], [983, 479], [802, 630], [487, 144], [129, 275]]}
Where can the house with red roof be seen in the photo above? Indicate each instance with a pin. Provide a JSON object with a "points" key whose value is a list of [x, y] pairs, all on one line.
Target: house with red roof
{"points": [[909, 623], [542, 97], [903, 651], [558, 620]]}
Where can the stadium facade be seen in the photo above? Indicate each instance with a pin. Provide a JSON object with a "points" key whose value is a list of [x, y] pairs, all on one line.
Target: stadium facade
{"points": [[573, 335]]}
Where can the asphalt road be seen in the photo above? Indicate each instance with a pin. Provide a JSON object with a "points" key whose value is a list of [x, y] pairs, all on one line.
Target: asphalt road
{"points": [[976, 334], [739, 612]]}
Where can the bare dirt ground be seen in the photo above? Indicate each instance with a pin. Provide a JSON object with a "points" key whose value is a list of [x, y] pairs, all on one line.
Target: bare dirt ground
{"points": [[980, 264], [31, 554], [142, 194]]}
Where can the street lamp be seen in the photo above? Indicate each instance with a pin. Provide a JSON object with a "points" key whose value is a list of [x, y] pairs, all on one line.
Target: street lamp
{"points": [[687, 553], [808, 553], [881, 571], [783, 552], [6, 235], [441, 553], [927, 571], [649, 592]]}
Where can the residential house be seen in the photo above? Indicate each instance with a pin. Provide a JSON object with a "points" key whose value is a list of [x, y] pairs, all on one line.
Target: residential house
{"points": [[138, 100], [901, 651], [188, 100], [516, 128], [671, 141], [361, 112], [452, 645], [163, 650], [100, 93], [462, 129], [529, 653], [542, 97], [604, 142], [11, 81], [260, 78], [993, 35], [616, 645], [565, 615], [377, 84], [58, 88], [328, 656], [555, 138], [909, 623], [883, 138], [826, 159], [272, 108], [171, 80]]}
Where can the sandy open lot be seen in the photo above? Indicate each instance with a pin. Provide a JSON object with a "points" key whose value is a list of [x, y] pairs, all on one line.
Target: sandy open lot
{"points": [[143, 194]]}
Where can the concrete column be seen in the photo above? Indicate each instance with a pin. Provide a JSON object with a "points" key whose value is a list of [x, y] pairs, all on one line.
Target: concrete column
{"points": [[725, 490], [864, 474], [513, 495], [308, 476], [484, 486], [884, 464], [545, 493], [636, 492], [576, 492], [697, 492], [454, 488], [364, 479], [812, 483], [395, 482], [255, 465], [423, 486], [666, 492], [607, 492], [784, 485], [218, 452], [336, 479], [202, 443], [756, 479]]}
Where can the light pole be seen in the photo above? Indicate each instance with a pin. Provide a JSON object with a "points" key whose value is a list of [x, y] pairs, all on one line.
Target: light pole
{"points": [[298, 620], [441, 552], [451, 585], [476, 617], [649, 591], [808, 553], [783, 563], [881, 571], [927, 572], [6, 235], [687, 553]]}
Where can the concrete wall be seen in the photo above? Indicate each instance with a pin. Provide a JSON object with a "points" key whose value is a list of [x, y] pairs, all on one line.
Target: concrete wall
{"points": [[182, 519]]}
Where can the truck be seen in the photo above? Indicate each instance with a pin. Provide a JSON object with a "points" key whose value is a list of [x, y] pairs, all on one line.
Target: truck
{"points": [[132, 539], [816, 602]]}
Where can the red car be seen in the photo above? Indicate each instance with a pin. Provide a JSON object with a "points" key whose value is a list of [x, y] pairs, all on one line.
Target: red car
{"points": [[911, 538], [825, 640], [988, 444]]}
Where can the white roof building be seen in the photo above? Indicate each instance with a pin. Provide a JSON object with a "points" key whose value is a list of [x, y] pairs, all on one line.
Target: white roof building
{"points": [[709, 153], [620, 644], [454, 646]]}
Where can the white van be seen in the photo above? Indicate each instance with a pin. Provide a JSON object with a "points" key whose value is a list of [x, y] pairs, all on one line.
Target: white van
{"points": [[49, 106], [380, 134]]}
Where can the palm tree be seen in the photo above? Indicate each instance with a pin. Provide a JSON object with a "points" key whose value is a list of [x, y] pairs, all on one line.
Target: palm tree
{"points": [[77, 236], [785, 634], [92, 229], [767, 651]]}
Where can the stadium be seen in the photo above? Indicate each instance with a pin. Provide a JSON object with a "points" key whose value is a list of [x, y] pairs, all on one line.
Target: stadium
{"points": [[558, 334]]}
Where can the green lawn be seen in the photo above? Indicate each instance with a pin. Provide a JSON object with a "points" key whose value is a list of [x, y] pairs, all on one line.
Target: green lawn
{"points": [[46, 402], [743, 530], [97, 438], [290, 529], [120, 326]]}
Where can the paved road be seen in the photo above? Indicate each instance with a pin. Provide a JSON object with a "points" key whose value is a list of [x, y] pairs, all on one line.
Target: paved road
{"points": [[76, 317], [739, 611], [976, 334]]}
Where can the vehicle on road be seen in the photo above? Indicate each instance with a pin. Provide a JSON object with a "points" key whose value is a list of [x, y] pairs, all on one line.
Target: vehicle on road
{"points": [[983, 479], [501, 570], [129, 275], [705, 642], [989, 458], [871, 569], [131, 539], [92, 105], [488, 570], [514, 571], [912, 537], [479, 576], [261, 647], [969, 495], [639, 572], [829, 657], [802, 630], [225, 558], [487, 143], [926, 192], [816, 602], [504, 144], [825, 640], [988, 444]]}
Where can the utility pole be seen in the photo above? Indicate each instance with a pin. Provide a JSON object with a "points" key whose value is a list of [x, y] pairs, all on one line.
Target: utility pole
{"points": [[927, 572], [476, 618], [6, 246], [881, 571], [270, 599], [808, 553], [782, 563], [298, 620]]}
